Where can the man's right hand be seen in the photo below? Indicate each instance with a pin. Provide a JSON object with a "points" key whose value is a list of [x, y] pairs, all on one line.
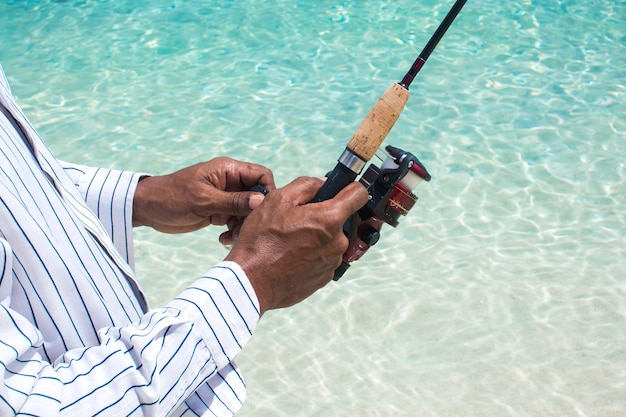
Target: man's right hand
{"points": [[289, 248]]}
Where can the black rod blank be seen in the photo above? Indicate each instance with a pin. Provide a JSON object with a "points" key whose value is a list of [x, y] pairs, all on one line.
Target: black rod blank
{"points": [[432, 43]]}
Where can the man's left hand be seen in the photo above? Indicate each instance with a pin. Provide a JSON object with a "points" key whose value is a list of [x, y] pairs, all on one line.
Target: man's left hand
{"points": [[208, 193]]}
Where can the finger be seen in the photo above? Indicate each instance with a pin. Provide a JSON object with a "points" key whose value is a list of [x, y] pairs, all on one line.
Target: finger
{"points": [[230, 236], [234, 226], [255, 200], [219, 219], [235, 203], [234, 232], [348, 200], [302, 190], [233, 222], [254, 174], [226, 238]]}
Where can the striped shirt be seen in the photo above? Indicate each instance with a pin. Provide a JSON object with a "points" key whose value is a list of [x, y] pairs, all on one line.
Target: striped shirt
{"points": [[76, 336]]}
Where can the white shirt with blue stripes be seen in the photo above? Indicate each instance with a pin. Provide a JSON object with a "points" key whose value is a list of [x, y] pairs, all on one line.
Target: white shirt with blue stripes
{"points": [[76, 336]]}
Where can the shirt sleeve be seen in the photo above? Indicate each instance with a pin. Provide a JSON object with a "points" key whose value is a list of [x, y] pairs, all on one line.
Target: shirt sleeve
{"points": [[3, 79], [149, 367], [109, 194]]}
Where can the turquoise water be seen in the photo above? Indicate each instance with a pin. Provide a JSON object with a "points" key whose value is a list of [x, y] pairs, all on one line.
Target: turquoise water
{"points": [[503, 293]]}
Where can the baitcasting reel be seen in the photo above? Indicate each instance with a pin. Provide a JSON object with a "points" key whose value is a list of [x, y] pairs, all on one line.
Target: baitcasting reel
{"points": [[390, 196]]}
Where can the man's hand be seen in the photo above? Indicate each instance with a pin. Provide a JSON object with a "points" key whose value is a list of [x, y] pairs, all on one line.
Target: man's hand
{"points": [[288, 248], [203, 194]]}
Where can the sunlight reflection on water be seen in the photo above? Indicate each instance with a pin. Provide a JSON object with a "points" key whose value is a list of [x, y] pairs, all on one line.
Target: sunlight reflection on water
{"points": [[501, 294]]}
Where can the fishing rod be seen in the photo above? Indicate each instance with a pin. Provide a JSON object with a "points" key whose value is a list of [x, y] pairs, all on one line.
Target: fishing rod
{"points": [[374, 128], [390, 186]]}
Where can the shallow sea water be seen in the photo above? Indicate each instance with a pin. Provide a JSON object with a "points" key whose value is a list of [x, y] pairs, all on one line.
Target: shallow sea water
{"points": [[503, 293]]}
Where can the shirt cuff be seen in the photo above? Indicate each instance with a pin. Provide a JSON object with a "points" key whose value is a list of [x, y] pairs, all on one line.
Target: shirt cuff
{"points": [[225, 309]]}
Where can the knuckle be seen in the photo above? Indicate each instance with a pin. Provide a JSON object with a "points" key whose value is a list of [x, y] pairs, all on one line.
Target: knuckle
{"points": [[235, 201], [342, 244]]}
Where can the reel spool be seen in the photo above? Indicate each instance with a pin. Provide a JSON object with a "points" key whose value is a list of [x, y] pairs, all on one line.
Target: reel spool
{"points": [[390, 190]]}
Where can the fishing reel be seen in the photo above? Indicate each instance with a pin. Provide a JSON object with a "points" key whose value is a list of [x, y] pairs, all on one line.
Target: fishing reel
{"points": [[390, 186], [390, 195]]}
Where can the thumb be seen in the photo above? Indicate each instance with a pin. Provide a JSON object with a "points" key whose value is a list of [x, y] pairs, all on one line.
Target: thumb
{"points": [[237, 203]]}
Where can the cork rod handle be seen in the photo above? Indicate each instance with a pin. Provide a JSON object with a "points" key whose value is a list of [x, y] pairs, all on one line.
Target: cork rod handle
{"points": [[374, 128]]}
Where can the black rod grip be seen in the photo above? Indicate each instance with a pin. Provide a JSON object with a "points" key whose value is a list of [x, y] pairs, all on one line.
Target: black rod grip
{"points": [[336, 180]]}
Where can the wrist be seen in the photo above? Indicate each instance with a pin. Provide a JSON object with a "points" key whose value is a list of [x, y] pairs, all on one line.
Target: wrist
{"points": [[254, 276], [141, 201]]}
